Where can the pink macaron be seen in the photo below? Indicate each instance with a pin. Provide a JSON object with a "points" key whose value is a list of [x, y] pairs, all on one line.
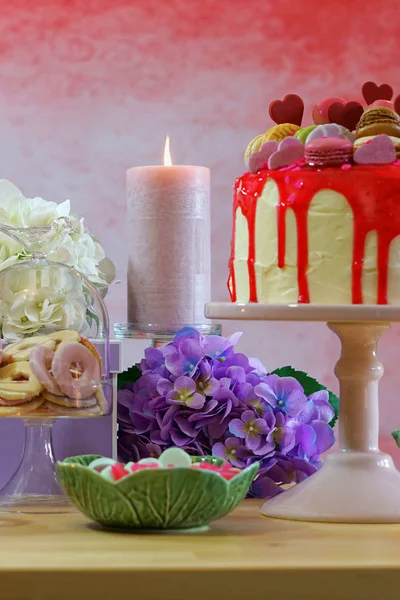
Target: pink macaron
{"points": [[328, 152]]}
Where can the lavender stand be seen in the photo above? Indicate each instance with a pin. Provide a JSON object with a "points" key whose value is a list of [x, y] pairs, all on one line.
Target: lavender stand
{"points": [[359, 483]]}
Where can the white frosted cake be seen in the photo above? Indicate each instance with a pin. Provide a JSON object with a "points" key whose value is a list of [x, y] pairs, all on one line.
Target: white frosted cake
{"points": [[317, 216]]}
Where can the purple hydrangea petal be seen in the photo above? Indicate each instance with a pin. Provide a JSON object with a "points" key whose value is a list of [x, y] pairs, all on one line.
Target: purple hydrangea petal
{"points": [[324, 434], [284, 386], [264, 391], [196, 401], [154, 358], [265, 448], [237, 374], [164, 386], [236, 426], [325, 410], [257, 367], [217, 429], [265, 487], [215, 345], [179, 438], [319, 395], [285, 438], [185, 385], [187, 333], [306, 438], [219, 449], [211, 387], [261, 425], [252, 440], [247, 416], [295, 401], [308, 413], [185, 426]]}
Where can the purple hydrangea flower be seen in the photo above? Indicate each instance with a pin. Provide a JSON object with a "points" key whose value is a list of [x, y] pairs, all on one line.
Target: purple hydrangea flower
{"points": [[284, 393], [197, 393], [250, 428], [184, 360], [231, 450], [216, 346], [206, 384], [184, 392]]}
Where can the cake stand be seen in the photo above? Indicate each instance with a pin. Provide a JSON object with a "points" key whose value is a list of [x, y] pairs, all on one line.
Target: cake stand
{"points": [[359, 483]]}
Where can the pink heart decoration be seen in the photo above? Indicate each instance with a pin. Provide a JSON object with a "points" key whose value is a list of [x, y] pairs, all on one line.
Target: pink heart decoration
{"points": [[371, 92], [379, 151], [259, 160], [290, 151]]}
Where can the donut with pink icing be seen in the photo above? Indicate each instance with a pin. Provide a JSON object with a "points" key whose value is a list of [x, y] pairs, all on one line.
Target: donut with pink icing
{"points": [[40, 362], [71, 354]]}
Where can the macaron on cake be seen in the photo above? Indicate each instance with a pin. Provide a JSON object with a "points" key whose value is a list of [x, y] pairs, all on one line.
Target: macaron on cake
{"points": [[316, 202], [173, 491]]}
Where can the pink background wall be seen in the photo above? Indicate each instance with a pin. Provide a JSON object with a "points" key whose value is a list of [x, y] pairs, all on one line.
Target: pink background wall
{"points": [[90, 87]]}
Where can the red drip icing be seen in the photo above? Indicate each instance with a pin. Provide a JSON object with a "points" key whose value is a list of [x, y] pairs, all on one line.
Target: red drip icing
{"points": [[373, 192]]}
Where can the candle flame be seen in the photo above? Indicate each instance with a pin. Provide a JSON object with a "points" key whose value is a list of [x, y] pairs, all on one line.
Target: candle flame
{"points": [[167, 153]]}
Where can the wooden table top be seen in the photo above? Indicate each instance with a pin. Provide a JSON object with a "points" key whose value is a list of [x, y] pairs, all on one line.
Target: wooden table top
{"points": [[244, 556]]}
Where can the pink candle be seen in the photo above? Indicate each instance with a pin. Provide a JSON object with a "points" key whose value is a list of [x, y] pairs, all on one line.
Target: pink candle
{"points": [[169, 244]]}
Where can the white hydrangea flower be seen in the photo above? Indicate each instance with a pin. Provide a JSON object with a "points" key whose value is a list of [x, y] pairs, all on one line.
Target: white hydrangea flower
{"points": [[79, 249], [27, 312]]}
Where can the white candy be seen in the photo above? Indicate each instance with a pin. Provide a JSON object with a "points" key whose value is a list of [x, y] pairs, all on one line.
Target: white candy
{"points": [[107, 473], [175, 457], [99, 464], [330, 130]]}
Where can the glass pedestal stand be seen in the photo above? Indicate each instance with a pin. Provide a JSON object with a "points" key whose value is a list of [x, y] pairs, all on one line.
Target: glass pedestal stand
{"points": [[357, 484], [159, 335], [33, 488]]}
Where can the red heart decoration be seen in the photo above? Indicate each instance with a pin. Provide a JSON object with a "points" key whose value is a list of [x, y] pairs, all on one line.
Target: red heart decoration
{"points": [[397, 104], [371, 92], [346, 115], [288, 110]]}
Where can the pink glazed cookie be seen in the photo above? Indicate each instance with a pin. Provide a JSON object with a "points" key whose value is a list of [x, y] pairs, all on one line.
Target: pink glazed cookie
{"points": [[328, 152]]}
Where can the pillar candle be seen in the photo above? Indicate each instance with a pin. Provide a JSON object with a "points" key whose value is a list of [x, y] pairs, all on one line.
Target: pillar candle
{"points": [[168, 217]]}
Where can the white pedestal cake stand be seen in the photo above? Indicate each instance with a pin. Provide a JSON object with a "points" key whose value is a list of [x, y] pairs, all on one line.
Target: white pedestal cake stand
{"points": [[357, 484]]}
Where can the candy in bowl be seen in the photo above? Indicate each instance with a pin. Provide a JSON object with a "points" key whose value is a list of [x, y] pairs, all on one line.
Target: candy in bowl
{"points": [[54, 361], [175, 491]]}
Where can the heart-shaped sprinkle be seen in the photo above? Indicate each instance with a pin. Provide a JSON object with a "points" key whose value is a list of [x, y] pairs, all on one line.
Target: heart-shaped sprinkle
{"points": [[259, 160], [290, 151], [371, 92], [379, 151], [288, 110], [347, 114], [397, 104]]}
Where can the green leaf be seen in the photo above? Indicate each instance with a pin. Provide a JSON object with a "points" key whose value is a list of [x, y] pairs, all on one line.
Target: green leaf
{"points": [[129, 376], [83, 459], [396, 436], [310, 386]]}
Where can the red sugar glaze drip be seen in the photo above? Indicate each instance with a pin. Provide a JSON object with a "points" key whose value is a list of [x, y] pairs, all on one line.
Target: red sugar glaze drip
{"points": [[373, 193], [246, 193]]}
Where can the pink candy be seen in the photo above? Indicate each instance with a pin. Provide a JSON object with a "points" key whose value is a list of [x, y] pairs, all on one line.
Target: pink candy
{"points": [[320, 111]]}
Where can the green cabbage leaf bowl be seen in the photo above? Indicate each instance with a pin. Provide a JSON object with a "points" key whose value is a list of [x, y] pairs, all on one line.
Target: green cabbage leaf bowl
{"points": [[154, 499]]}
